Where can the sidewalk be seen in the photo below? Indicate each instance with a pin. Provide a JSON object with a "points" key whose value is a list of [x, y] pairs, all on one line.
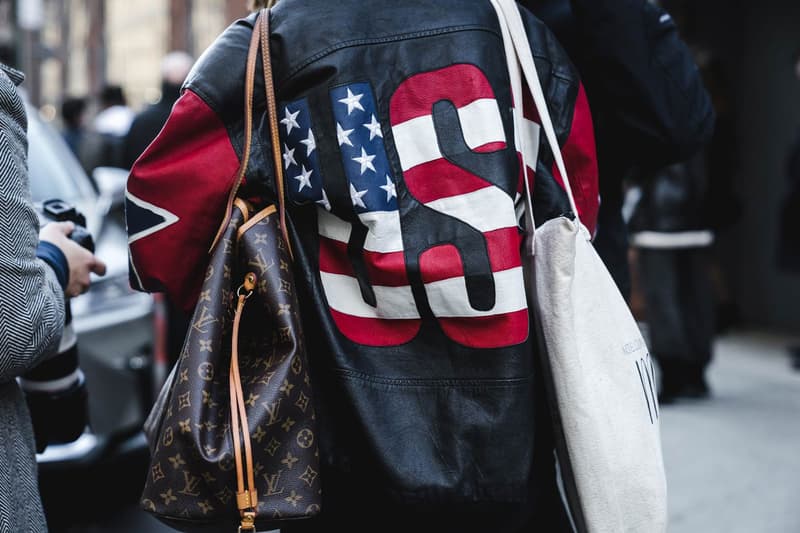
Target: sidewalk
{"points": [[733, 462]]}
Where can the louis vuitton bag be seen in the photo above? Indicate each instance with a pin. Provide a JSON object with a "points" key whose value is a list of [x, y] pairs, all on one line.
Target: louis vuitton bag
{"points": [[232, 433]]}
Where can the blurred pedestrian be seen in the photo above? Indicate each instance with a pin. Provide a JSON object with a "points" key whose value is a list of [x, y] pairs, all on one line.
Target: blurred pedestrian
{"points": [[114, 116], [648, 101], [673, 235], [725, 205], [401, 175], [104, 143], [175, 67], [789, 230], [36, 274], [73, 114]]}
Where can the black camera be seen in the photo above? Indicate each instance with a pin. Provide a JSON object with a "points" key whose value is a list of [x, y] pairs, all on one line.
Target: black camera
{"points": [[56, 389], [61, 211]]}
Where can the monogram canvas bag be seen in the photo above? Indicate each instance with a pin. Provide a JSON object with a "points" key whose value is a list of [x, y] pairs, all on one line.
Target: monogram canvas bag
{"points": [[232, 433], [597, 367]]}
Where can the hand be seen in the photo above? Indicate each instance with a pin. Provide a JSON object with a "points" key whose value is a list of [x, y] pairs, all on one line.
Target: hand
{"points": [[80, 260]]}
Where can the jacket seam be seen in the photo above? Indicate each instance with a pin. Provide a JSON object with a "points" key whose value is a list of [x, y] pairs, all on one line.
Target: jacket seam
{"points": [[381, 40], [231, 128], [407, 36], [482, 383]]}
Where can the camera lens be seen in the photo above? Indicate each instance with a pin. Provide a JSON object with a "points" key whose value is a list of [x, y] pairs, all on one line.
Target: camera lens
{"points": [[56, 395]]}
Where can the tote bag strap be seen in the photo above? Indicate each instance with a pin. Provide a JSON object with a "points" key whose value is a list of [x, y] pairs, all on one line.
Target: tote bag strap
{"points": [[259, 39], [520, 139], [272, 113], [518, 54]]}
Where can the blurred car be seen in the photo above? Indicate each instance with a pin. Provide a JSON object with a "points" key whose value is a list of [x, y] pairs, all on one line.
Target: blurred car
{"points": [[117, 328]]}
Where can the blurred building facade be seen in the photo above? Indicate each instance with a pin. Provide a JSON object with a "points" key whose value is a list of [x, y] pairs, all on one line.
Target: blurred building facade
{"points": [[74, 47], [755, 44]]}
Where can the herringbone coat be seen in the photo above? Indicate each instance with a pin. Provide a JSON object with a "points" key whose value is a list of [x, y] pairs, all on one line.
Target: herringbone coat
{"points": [[31, 316]]}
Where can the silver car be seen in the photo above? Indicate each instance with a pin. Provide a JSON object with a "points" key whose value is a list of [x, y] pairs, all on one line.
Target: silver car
{"points": [[119, 340]]}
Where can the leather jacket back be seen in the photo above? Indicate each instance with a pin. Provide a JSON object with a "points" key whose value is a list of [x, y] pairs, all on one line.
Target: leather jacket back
{"points": [[403, 194]]}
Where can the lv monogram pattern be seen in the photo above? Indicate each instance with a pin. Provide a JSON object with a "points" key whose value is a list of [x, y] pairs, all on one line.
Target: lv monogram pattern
{"points": [[192, 472]]}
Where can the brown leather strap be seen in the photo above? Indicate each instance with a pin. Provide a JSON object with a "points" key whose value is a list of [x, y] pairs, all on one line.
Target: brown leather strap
{"points": [[260, 33], [249, 82], [246, 494], [269, 89]]}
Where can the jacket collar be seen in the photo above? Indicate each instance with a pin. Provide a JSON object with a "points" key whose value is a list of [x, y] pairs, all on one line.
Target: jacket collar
{"points": [[14, 75]]}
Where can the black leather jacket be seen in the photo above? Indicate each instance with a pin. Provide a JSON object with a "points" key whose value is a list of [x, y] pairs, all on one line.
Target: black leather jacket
{"points": [[402, 175]]}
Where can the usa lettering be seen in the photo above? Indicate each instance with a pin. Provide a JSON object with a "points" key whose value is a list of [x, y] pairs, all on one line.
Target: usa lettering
{"points": [[439, 241]]}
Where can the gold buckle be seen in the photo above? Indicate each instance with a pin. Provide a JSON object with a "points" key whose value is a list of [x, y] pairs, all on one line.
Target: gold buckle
{"points": [[248, 522]]}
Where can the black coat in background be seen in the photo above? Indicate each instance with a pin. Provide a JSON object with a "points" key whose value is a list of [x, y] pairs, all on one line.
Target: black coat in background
{"points": [[789, 230], [148, 123], [648, 101]]}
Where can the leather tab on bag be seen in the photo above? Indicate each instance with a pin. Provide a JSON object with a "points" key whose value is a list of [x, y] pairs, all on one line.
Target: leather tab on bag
{"points": [[247, 499]]}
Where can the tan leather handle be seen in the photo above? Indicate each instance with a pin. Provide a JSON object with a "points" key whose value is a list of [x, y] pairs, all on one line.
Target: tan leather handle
{"points": [[260, 36], [246, 494], [269, 88], [249, 82]]}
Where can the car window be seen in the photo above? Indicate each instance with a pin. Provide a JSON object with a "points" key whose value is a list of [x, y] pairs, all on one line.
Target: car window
{"points": [[54, 171]]}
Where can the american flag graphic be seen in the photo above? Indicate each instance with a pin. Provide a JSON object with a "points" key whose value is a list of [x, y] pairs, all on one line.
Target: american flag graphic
{"points": [[300, 156], [394, 318], [387, 314]]}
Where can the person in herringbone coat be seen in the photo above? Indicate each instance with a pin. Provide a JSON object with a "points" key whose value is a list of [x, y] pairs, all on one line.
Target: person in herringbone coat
{"points": [[37, 271]]}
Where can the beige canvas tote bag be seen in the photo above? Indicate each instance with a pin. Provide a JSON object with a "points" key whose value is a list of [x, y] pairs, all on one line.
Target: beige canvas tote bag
{"points": [[601, 382]]}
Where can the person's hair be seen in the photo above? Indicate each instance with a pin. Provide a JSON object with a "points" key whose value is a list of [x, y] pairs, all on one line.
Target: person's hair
{"points": [[112, 95], [175, 66], [71, 111]]}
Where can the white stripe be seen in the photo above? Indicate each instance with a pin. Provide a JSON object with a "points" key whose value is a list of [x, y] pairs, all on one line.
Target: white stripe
{"points": [[169, 218], [486, 209], [448, 298], [332, 227], [680, 239], [416, 138], [52, 385], [531, 131], [383, 234], [344, 295]]}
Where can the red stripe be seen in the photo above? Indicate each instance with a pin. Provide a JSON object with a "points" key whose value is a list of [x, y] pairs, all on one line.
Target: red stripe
{"points": [[529, 110], [460, 84], [387, 270], [488, 331], [440, 179], [188, 170], [440, 262], [531, 176], [444, 262], [490, 147], [375, 331]]}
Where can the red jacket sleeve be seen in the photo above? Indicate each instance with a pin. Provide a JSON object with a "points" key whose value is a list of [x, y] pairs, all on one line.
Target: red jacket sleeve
{"points": [[579, 154], [580, 160], [175, 201]]}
